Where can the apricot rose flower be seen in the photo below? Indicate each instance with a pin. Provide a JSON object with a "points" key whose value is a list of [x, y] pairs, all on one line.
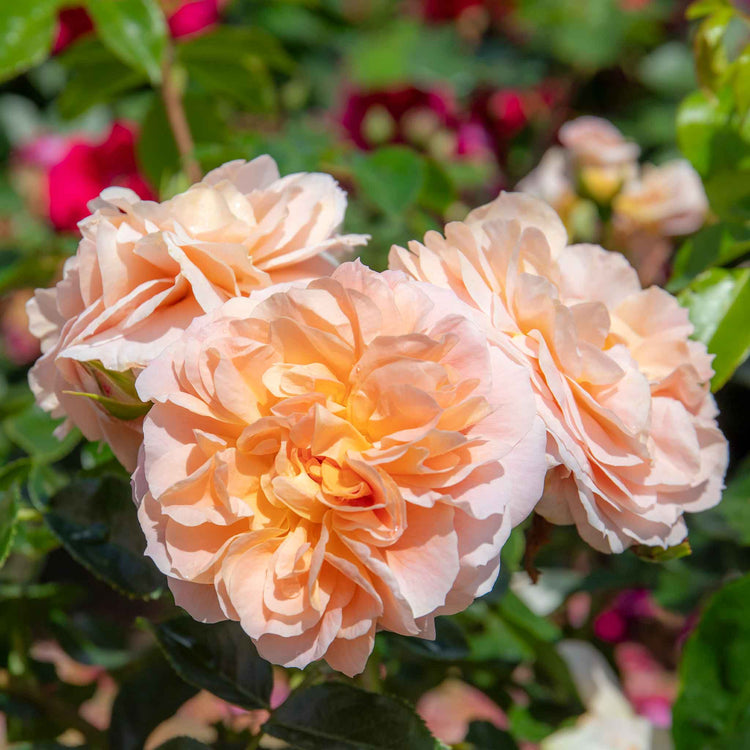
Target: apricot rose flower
{"points": [[632, 435], [332, 459], [144, 270]]}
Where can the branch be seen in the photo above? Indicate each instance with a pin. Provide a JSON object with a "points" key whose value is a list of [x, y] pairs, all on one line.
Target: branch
{"points": [[178, 122]]}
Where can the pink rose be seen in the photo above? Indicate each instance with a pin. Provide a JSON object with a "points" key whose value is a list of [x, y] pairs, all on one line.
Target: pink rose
{"points": [[632, 435], [398, 115], [329, 460], [72, 23], [144, 270], [448, 709], [58, 175], [86, 170], [184, 17], [194, 16], [18, 344]]}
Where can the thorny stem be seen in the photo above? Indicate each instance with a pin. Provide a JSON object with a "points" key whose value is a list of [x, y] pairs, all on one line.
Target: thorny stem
{"points": [[55, 709], [178, 122]]}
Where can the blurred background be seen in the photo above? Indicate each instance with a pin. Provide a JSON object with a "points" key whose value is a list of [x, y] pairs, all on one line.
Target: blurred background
{"points": [[421, 109]]}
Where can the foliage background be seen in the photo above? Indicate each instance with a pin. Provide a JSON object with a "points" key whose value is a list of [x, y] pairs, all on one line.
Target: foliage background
{"points": [[421, 110]]}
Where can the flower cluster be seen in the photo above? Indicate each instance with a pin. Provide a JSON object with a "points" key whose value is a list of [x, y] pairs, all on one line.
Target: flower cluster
{"points": [[594, 181], [433, 120], [321, 451]]}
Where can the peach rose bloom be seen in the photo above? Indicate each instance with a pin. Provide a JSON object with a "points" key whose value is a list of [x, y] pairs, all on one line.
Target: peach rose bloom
{"points": [[624, 393], [334, 459], [144, 270], [594, 141], [668, 200], [551, 180]]}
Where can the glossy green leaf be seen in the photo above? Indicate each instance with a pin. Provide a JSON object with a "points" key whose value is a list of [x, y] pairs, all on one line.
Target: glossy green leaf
{"points": [[408, 52], [95, 76], [241, 46], [701, 119], [8, 520], [659, 555], [701, 8], [485, 736], [95, 521], [26, 33], [516, 613], [735, 502], [438, 191], [339, 716], [714, 245], [183, 743], [135, 30], [250, 86], [219, 658], [669, 70], [719, 305], [391, 177], [32, 430], [712, 711], [449, 644], [150, 692], [156, 149], [118, 409], [89, 640]]}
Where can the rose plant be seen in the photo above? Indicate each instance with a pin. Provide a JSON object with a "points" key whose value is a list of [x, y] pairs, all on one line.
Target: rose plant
{"points": [[283, 475]]}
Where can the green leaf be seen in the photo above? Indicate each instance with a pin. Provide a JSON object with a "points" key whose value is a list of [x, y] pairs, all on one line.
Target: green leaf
{"points": [[711, 246], [450, 642], [96, 523], [700, 116], [8, 521], [32, 430], [241, 46], [659, 555], [390, 177], [438, 191], [90, 641], [668, 70], [701, 8], [524, 726], [26, 31], [118, 409], [339, 716], [587, 34], [149, 693], [32, 270], [719, 305], [517, 614], [135, 30], [735, 502], [95, 76], [183, 743], [406, 52], [250, 86], [156, 149], [485, 736], [234, 63], [712, 711], [219, 658]]}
